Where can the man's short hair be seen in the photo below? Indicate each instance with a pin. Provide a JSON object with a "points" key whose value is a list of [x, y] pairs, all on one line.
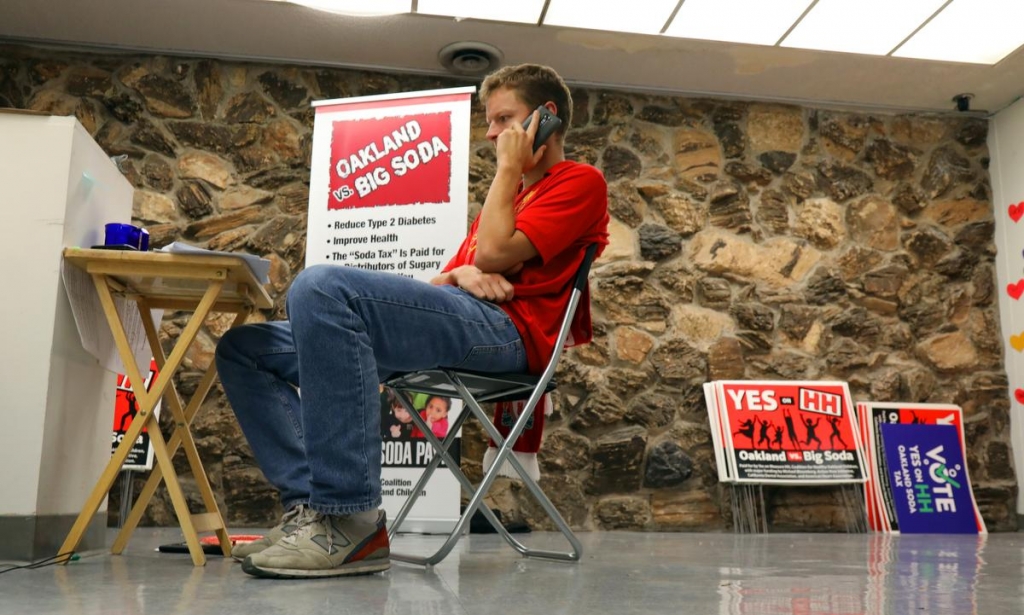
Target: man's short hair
{"points": [[534, 85]]}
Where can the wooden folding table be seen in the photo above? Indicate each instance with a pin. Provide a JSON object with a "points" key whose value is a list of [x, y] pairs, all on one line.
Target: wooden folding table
{"points": [[183, 282]]}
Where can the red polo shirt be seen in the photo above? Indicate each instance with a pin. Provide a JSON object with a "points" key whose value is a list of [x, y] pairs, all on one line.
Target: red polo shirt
{"points": [[561, 214]]}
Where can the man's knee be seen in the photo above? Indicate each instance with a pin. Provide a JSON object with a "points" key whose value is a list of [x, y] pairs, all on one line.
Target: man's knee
{"points": [[316, 281], [238, 344], [229, 345]]}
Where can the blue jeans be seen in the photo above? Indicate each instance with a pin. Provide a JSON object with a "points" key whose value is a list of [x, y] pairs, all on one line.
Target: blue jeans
{"points": [[349, 330]]}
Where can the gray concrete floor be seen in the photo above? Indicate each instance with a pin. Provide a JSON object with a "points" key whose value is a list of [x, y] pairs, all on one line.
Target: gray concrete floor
{"points": [[620, 573]]}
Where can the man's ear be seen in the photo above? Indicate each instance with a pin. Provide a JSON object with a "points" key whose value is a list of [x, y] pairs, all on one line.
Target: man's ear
{"points": [[553, 108]]}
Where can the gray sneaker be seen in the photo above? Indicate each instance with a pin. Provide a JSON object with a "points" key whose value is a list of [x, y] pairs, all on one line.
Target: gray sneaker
{"points": [[325, 546], [290, 522]]}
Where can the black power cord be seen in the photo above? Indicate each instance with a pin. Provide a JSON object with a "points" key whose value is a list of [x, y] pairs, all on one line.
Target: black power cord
{"points": [[60, 558]]}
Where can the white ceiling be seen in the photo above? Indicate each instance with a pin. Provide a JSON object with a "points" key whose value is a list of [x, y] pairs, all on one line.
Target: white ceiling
{"points": [[277, 31]]}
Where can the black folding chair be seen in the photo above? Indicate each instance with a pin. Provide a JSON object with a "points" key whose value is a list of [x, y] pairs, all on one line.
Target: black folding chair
{"points": [[475, 388]]}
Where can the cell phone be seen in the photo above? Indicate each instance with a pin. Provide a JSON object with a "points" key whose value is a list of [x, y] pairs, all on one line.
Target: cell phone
{"points": [[549, 123]]}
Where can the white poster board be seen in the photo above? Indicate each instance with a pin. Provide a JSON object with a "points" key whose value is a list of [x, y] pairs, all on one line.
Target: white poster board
{"points": [[57, 189], [389, 192], [1004, 143]]}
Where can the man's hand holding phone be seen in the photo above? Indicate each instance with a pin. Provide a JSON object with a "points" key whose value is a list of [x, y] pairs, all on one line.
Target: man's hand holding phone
{"points": [[523, 146], [515, 148], [546, 122]]}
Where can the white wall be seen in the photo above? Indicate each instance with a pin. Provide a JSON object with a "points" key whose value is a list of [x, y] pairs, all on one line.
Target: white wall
{"points": [[57, 189], [1006, 145]]}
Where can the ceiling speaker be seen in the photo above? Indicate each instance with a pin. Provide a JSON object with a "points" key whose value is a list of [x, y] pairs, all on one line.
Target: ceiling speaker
{"points": [[470, 59]]}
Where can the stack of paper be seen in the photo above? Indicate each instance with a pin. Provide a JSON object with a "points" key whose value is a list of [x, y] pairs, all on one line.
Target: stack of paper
{"points": [[260, 267]]}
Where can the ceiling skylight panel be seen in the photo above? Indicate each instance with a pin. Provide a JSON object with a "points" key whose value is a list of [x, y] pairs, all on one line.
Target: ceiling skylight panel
{"points": [[974, 31], [865, 26], [358, 7], [521, 11], [758, 22], [641, 16]]}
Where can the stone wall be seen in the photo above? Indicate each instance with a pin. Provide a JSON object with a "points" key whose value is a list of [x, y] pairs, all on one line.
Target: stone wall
{"points": [[748, 240]]}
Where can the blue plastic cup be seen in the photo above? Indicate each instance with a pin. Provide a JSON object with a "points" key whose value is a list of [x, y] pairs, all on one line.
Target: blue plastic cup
{"points": [[118, 234], [134, 236]]}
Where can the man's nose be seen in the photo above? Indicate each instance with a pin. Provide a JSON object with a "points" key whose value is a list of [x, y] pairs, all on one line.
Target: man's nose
{"points": [[493, 130]]}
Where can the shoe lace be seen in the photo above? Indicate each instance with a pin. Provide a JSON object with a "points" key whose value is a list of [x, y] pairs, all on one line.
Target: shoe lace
{"points": [[293, 513], [307, 528], [294, 517]]}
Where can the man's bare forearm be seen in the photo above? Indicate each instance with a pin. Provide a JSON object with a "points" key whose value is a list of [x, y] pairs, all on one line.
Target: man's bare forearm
{"points": [[498, 223]]}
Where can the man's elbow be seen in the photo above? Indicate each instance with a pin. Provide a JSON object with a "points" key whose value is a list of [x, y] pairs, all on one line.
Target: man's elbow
{"points": [[493, 261]]}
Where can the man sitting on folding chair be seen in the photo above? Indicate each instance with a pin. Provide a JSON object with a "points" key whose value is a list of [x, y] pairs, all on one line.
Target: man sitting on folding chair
{"points": [[496, 308]]}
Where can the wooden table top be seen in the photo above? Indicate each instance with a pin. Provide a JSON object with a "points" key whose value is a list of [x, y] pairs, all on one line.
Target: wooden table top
{"points": [[165, 279]]}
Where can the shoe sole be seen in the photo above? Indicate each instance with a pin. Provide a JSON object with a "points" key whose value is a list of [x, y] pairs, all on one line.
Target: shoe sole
{"points": [[351, 569]]}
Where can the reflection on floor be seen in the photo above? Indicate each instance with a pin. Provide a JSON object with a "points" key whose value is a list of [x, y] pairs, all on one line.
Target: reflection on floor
{"points": [[620, 573]]}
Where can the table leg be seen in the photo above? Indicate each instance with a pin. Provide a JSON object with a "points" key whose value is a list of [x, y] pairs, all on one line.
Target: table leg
{"points": [[184, 419], [163, 457], [163, 460], [147, 401]]}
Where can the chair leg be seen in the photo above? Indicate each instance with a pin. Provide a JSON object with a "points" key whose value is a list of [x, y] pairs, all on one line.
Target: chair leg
{"points": [[504, 453], [477, 494], [443, 455], [428, 471]]}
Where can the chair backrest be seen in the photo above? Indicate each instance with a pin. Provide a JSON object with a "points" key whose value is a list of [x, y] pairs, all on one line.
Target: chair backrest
{"points": [[579, 285]]}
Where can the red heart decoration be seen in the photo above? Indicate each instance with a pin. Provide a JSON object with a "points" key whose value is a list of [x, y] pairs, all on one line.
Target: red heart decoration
{"points": [[1015, 290], [1019, 394], [1016, 211]]}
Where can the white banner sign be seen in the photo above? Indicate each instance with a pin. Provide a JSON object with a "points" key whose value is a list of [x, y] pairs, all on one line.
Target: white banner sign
{"points": [[389, 192], [389, 183]]}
